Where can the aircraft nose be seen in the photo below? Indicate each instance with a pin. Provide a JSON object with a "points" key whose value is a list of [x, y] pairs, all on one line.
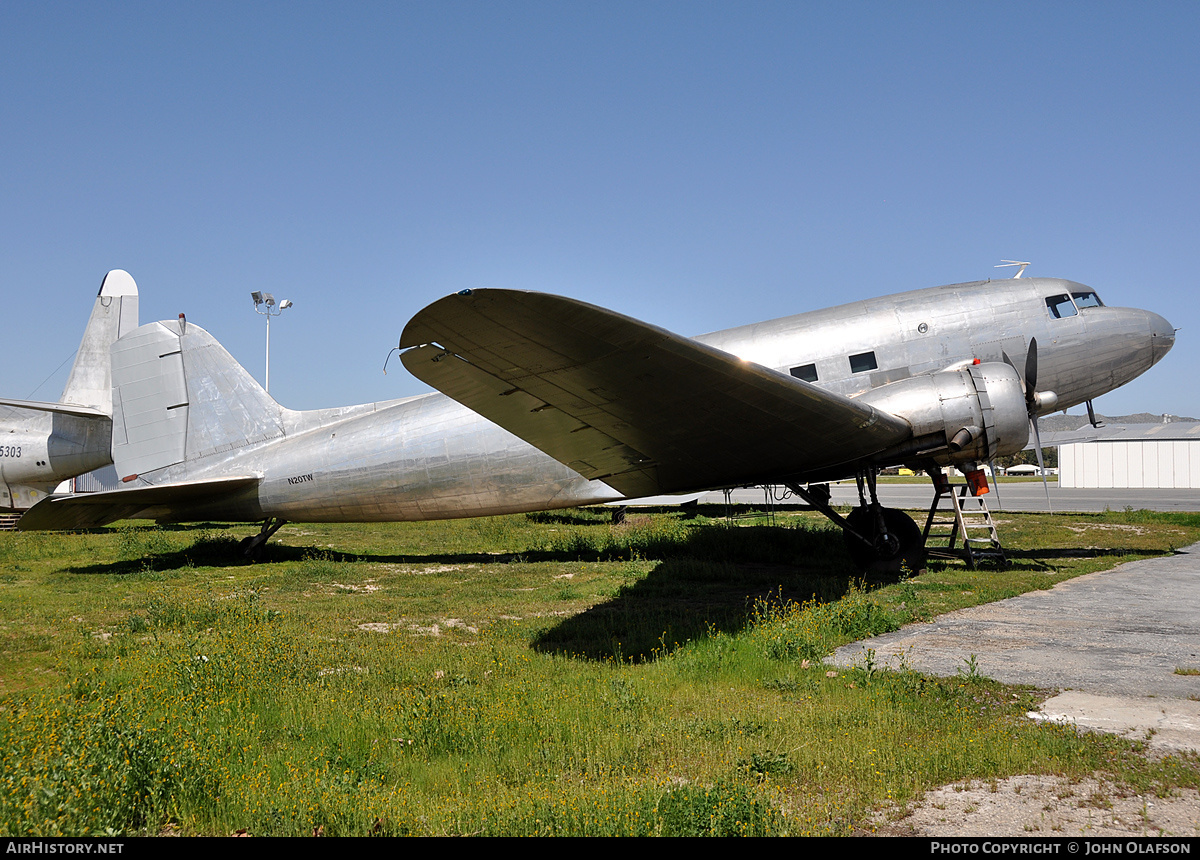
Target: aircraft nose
{"points": [[1162, 336]]}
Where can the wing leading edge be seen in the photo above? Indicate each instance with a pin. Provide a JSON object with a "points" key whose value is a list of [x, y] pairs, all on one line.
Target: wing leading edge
{"points": [[641, 408]]}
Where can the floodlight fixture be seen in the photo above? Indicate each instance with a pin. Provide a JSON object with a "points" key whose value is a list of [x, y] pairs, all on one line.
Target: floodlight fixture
{"points": [[264, 304]]}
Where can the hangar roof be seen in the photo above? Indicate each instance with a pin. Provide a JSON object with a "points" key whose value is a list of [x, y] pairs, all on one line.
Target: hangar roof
{"points": [[1176, 430]]}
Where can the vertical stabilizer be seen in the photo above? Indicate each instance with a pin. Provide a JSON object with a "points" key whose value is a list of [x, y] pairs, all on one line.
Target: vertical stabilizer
{"points": [[179, 396], [114, 314]]}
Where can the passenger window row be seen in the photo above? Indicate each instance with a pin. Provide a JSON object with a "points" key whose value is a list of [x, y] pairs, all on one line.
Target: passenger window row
{"points": [[860, 363], [1060, 307]]}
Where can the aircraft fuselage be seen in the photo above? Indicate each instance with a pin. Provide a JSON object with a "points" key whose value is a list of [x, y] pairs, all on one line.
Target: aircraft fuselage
{"points": [[429, 457], [1083, 353], [194, 437], [40, 449]]}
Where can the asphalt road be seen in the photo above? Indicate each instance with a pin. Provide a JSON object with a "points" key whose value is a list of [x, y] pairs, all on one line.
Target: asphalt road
{"points": [[1110, 643], [1026, 496], [1106, 646]]}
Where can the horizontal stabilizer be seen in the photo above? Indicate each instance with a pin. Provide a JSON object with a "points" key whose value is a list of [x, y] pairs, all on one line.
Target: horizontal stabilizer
{"points": [[90, 510], [60, 408], [616, 399], [667, 501]]}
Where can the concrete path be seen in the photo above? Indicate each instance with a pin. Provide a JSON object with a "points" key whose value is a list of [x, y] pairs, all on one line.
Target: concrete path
{"points": [[1111, 642]]}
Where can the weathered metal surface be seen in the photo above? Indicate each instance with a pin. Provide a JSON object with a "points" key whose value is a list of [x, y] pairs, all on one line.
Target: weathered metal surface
{"points": [[614, 399]]}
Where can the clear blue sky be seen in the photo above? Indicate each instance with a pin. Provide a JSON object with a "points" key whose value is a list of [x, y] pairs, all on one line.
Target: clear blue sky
{"points": [[697, 165]]}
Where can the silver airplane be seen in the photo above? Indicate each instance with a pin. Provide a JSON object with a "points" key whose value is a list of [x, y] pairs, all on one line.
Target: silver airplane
{"points": [[44, 444], [548, 402]]}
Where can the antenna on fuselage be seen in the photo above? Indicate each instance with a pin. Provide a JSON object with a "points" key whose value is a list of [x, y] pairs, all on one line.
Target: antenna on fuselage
{"points": [[1004, 264]]}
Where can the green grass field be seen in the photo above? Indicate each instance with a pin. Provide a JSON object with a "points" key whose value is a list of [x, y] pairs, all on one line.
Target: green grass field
{"points": [[527, 675]]}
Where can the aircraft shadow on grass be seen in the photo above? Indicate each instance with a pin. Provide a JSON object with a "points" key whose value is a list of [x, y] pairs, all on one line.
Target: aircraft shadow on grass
{"points": [[680, 599], [709, 583]]}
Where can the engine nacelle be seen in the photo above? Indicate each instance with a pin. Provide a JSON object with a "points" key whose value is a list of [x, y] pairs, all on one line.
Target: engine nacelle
{"points": [[967, 415]]}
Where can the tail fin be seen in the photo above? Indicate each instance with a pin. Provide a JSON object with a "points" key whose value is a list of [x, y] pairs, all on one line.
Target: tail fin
{"points": [[65, 439], [114, 314], [178, 395]]}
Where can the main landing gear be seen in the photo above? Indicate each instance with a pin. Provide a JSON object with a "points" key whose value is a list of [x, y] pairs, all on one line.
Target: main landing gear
{"points": [[252, 547], [882, 541]]}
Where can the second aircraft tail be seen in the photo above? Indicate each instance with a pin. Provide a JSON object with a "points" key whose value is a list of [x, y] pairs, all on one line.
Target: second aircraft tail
{"points": [[114, 314]]}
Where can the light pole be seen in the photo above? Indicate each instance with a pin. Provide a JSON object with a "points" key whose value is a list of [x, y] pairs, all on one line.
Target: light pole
{"points": [[264, 303]]}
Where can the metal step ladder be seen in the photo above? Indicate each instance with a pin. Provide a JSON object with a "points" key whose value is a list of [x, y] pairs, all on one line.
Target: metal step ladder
{"points": [[968, 518], [8, 522]]}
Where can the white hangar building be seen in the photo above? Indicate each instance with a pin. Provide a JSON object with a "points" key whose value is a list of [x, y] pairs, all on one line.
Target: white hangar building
{"points": [[1133, 455]]}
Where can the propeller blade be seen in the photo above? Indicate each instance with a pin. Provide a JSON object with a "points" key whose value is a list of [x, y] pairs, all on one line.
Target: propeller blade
{"points": [[1031, 370], [1009, 362], [996, 484]]}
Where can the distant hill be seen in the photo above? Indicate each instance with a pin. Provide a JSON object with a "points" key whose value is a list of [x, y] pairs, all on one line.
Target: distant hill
{"points": [[1055, 423]]}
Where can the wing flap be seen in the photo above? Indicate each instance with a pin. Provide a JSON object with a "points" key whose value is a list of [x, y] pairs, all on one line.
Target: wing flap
{"points": [[647, 410]]}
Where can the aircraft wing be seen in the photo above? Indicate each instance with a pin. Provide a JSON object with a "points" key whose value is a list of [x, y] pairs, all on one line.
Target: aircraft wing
{"points": [[616, 399], [90, 510]]}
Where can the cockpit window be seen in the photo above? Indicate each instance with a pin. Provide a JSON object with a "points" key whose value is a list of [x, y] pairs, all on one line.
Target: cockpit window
{"points": [[1061, 306], [1087, 300]]}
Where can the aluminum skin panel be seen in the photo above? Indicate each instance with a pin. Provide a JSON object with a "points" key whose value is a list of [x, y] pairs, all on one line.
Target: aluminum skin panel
{"points": [[149, 400], [227, 409]]}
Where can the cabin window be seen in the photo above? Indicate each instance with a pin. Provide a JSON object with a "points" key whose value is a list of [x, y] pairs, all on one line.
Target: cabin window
{"points": [[862, 362], [1087, 300], [1061, 306], [807, 372]]}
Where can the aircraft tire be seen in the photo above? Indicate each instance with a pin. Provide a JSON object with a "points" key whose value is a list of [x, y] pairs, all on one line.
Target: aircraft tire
{"points": [[251, 548], [903, 553]]}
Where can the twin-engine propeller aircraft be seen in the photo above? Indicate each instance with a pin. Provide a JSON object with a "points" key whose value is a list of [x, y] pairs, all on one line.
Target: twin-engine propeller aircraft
{"points": [[43, 444], [553, 403]]}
